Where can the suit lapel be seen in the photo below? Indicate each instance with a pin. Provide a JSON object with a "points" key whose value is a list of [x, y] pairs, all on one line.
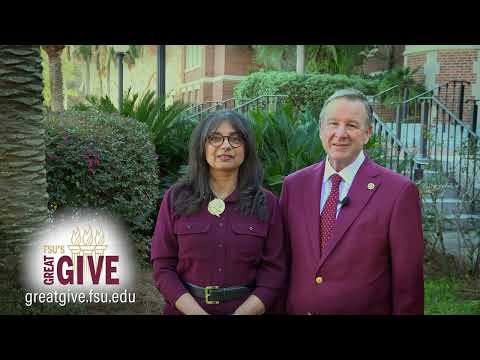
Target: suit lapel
{"points": [[311, 192], [359, 195]]}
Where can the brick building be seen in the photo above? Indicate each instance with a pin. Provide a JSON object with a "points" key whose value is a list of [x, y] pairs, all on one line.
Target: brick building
{"points": [[208, 72], [203, 73]]}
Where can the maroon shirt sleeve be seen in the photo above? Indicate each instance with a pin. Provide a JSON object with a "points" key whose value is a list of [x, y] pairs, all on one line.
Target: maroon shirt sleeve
{"points": [[164, 255], [272, 272]]}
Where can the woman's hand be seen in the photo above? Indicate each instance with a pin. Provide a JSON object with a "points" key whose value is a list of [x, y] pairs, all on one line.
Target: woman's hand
{"points": [[189, 306], [252, 306]]}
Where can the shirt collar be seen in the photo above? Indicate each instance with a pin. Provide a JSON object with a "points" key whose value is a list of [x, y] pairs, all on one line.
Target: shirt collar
{"points": [[348, 173], [233, 197]]}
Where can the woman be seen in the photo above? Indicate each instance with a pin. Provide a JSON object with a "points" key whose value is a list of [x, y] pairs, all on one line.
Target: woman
{"points": [[218, 242]]}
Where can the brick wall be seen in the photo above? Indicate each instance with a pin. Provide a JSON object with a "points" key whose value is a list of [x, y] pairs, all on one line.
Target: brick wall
{"points": [[228, 86], [239, 60], [386, 112], [217, 61], [209, 60], [193, 75], [217, 91], [206, 92], [454, 64], [223, 89], [415, 61], [458, 65], [380, 61], [219, 68]]}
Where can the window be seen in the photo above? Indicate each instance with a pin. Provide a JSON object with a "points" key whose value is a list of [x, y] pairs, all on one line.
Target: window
{"points": [[192, 57]]}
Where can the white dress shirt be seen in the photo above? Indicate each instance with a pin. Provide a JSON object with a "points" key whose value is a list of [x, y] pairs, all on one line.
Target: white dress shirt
{"points": [[347, 175]]}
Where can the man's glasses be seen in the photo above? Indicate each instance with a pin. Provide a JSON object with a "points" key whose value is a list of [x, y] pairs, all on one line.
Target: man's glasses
{"points": [[217, 140]]}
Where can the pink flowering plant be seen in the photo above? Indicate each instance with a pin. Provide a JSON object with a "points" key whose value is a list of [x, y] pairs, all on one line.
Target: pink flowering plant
{"points": [[106, 162]]}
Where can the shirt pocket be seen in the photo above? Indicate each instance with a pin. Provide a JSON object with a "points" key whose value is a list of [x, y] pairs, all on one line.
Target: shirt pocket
{"points": [[192, 238], [249, 241]]}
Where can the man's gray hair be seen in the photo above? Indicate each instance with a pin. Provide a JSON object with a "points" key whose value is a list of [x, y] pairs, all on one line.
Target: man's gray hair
{"points": [[350, 94]]}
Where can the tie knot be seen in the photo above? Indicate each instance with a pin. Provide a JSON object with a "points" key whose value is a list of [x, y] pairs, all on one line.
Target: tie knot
{"points": [[336, 179]]}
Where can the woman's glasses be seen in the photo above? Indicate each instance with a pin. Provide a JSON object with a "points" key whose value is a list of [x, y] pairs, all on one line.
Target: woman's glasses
{"points": [[217, 140]]}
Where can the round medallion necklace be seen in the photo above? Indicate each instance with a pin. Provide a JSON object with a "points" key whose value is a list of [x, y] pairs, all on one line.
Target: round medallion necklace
{"points": [[216, 206]]}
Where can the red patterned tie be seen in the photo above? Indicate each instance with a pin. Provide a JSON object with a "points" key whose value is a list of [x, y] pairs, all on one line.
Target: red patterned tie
{"points": [[329, 212]]}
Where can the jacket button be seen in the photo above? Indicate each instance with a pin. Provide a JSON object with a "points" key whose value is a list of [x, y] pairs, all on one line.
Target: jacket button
{"points": [[319, 280], [189, 226], [251, 228]]}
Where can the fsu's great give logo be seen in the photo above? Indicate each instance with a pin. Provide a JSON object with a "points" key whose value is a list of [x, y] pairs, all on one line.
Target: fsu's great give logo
{"points": [[89, 253]]}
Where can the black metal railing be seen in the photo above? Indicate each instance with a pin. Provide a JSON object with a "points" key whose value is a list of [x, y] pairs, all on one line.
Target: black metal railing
{"points": [[403, 117], [209, 107], [212, 106], [264, 102], [392, 154], [198, 108], [451, 147], [384, 96]]}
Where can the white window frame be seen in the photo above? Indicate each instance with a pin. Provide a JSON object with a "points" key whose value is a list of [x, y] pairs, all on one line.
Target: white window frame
{"points": [[193, 58]]}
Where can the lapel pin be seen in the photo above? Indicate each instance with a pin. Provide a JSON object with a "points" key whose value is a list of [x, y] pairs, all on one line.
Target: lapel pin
{"points": [[371, 186]]}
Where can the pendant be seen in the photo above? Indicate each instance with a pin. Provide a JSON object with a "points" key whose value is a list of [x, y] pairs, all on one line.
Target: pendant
{"points": [[216, 207]]}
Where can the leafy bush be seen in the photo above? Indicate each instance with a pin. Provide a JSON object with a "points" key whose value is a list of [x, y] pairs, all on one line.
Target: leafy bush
{"points": [[404, 78], [285, 143], [168, 129], [288, 141], [305, 91], [103, 161]]}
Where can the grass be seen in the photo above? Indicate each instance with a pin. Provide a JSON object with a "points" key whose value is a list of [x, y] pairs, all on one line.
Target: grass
{"points": [[445, 296]]}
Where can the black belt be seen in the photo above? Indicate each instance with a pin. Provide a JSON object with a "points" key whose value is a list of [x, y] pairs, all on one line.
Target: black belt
{"points": [[217, 295]]}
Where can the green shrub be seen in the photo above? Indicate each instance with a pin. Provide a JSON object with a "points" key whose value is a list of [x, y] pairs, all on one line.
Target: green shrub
{"points": [[288, 141], [168, 129], [103, 161], [305, 91]]}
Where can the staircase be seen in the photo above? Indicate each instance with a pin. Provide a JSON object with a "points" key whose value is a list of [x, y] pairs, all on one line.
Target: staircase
{"points": [[264, 102], [209, 106], [433, 136]]}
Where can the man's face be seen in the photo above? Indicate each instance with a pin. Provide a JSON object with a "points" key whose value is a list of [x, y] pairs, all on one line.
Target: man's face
{"points": [[344, 131]]}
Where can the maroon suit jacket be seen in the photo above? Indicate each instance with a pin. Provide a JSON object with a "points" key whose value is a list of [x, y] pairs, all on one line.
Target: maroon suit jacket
{"points": [[373, 263]]}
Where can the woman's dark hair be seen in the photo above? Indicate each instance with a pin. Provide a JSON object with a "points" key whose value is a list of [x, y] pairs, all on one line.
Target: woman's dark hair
{"points": [[193, 190]]}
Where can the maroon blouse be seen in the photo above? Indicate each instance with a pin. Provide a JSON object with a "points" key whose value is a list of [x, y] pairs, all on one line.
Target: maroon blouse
{"points": [[230, 250]]}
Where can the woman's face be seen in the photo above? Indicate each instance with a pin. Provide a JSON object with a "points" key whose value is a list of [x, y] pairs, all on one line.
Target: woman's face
{"points": [[222, 153]]}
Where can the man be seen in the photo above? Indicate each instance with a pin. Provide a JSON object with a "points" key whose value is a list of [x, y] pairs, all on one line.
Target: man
{"points": [[354, 227]]}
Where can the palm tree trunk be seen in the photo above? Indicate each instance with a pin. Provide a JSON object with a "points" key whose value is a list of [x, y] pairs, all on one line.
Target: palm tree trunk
{"points": [[23, 179], [56, 78]]}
